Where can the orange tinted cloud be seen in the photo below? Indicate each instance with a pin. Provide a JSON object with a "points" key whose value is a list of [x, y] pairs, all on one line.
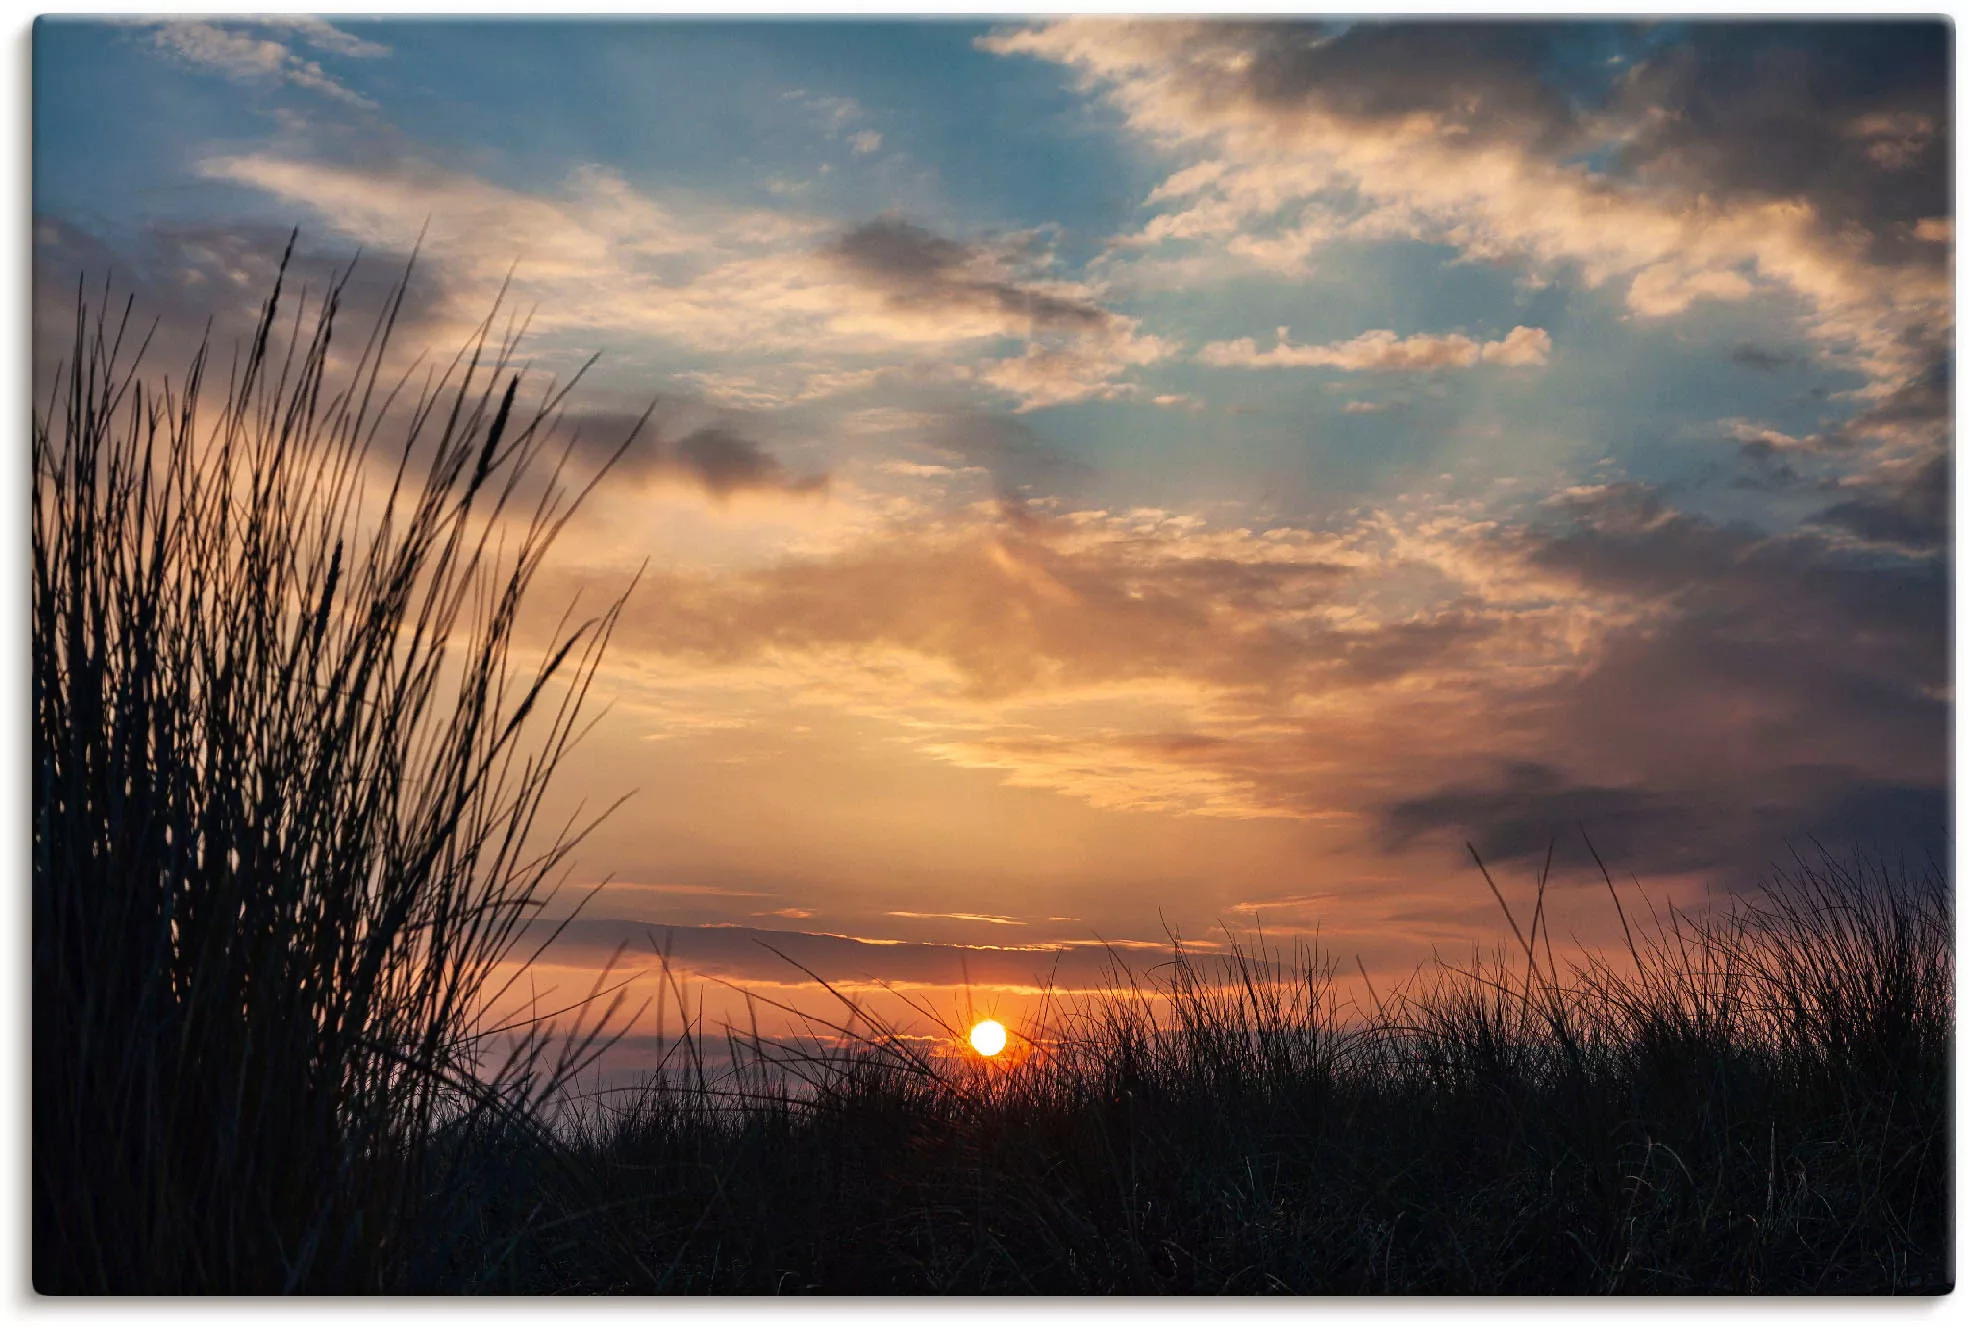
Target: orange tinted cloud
{"points": [[1612, 659]]}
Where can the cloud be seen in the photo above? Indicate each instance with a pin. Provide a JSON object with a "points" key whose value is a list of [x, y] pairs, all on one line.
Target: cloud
{"points": [[1380, 679], [1911, 511], [759, 286], [236, 49], [1075, 349], [1749, 356], [1048, 376], [1021, 463], [1700, 693], [206, 280], [1422, 670], [921, 273], [1852, 118], [1382, 351], [836, 116], [834, 113], [1132, 660], [755, 955], [1746, 694], [1530, 805], [1760, 441], [725, 463], [1487, 138], [1530, 809], [712, 457], [1025, 603], [1752, 682], [200, 280], [322, 35], [990, 919]]}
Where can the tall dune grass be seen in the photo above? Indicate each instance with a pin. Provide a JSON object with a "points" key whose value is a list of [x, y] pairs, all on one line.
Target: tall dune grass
{"points": [[1751, 1100], [286, 778]]}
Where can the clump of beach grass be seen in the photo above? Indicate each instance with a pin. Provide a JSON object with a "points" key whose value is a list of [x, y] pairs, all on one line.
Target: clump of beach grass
{"points": [[287, 768], [1750, 1099]]}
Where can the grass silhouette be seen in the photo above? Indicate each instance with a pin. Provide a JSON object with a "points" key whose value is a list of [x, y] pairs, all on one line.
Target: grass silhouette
{"points": [[1756, 1101], [286, 786], [285, 783]]}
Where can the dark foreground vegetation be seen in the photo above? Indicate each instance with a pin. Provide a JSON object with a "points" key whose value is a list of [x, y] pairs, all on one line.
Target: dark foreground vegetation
{"points": [[285, 792], [286, 779], [1758, 1103]]}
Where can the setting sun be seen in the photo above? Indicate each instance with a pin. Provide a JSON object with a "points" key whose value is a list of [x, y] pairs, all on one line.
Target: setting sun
{"points": [[988, 1037]]}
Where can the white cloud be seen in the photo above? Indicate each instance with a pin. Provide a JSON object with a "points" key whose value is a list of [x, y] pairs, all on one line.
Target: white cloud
{"points": [[1087, 368], [1763, 436], [325, 36], [235, 50], [1381, 351], [809, 312], [837, 116], [1267, 181]]}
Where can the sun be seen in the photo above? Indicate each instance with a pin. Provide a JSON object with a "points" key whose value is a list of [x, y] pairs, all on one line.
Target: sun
{"points": [[988, 1037]]}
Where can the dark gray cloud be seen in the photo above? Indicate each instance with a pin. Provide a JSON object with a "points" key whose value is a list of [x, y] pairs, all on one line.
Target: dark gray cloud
{"points": [[1750, 356], [724, 463], [1854, 117], [1772, 690], [895, 249], [1921, 407], [715, 457], [189, 286], [919, 270], [1702, 825], [1492, 79], [1915, 512], [1791, 613], [1527, 807], [741, 954], [184, 274]]}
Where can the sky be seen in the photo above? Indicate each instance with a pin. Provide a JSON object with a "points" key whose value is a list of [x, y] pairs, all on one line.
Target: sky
{"points": [[1112, 479]]}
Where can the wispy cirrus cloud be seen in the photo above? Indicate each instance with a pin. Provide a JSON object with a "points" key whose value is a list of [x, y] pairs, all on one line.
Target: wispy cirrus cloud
{"points": [[262, 51]]}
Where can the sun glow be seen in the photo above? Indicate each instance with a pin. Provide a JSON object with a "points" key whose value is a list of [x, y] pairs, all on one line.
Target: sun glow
{"points": [[988, 1037]]}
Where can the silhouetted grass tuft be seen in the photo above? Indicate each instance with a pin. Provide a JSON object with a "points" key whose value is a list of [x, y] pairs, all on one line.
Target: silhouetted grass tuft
{"points": [[285, 784], [1755, 1101]]}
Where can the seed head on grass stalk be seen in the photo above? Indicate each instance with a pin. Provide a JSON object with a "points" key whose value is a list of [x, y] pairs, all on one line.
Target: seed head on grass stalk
{"points": [[287, 778]]}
